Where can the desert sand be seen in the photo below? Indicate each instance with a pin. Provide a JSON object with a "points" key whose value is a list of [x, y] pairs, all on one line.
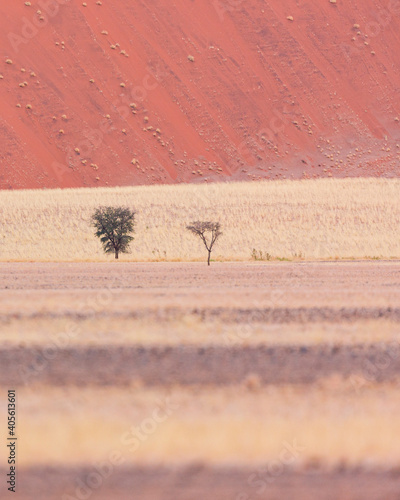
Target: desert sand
{"points": [[177, 380], [115, 93]]}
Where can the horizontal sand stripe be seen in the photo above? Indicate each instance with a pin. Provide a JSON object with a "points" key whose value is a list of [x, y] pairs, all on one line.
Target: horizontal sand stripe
{"points": [[231, 315], [198, 482], [191, 331], [191, 365], [329, 424], [122, 288]]}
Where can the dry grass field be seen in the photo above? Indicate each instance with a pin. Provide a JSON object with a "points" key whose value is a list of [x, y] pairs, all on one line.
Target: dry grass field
{"points": [[239, 381], [311, 219]]}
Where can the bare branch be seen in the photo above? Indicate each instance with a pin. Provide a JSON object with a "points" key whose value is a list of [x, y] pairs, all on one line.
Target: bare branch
{"points": [[202, 230]]}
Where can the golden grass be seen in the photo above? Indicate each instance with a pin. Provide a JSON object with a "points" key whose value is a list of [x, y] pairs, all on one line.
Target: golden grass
{"points": [[325, 218], [214, 425], [191, 331]]}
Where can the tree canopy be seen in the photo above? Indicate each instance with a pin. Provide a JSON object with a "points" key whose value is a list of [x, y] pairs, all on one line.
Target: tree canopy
{"points": [[114, 226]]}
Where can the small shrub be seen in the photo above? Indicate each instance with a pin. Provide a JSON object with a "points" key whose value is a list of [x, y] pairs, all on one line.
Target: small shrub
{"points": [[259, 255]]}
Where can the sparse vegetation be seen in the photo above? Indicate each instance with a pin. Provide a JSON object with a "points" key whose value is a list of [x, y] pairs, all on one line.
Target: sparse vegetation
{"points": [[325, 219], [260, 255], [114, 226], [208, 232]]}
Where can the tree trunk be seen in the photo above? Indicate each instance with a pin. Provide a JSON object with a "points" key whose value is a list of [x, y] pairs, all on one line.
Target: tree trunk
{"points": [[116, 253], [209, 255]]}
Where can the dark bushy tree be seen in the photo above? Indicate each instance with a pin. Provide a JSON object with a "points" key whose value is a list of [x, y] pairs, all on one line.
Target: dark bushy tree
{"points": [[114, 226], [208, 232]]}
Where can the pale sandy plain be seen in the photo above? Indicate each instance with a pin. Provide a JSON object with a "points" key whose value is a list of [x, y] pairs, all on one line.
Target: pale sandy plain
{"points": [[235, 381]]}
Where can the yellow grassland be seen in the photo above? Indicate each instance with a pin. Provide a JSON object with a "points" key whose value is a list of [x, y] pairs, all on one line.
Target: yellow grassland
{"points": [[312, 219]]}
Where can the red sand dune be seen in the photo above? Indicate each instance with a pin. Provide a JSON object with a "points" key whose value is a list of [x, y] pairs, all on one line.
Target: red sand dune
{"points": [[265, 96]]}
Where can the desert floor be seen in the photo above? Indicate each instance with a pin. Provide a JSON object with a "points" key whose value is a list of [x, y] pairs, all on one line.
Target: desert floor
{"points": [[236, 381]]}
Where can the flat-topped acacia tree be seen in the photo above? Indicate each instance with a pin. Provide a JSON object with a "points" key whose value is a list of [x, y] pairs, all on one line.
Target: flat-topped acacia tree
{"points": [[208, 232], [114, 226]]}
